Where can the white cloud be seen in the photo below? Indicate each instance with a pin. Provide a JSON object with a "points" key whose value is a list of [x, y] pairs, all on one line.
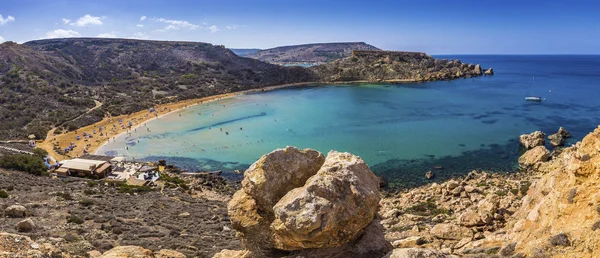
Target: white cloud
{"points": [[60, 33], [140, 25], [107, 35], [8, 19], [1, 39], [213, 28], [66, 21], [143, 18], [139, 35], [87, 20], [175, 24]]}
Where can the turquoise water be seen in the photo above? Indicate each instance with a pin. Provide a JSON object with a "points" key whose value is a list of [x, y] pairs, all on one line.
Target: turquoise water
{"points": [[401, 131]]}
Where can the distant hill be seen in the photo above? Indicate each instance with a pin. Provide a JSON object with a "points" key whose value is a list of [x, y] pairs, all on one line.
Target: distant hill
{"points": [[46, 82], [318, 53], [244, 51]]}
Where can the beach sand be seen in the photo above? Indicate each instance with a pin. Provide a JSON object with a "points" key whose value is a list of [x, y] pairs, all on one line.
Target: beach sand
{"points": [[109, 131]]}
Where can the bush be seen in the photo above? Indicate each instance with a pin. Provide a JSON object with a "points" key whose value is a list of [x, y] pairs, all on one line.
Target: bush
{"points": [[86, 202], [92, 183], [89, 192], [40, 152], [524, 187], [66, 196], [74, 219], [24, 162], [560, 240], [134, 189], [3, 194]]}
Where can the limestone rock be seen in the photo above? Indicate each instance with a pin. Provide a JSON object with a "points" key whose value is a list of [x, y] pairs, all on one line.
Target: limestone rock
{"points": [[565, 134], [417, 253], [529, 141], [331, 208], [168, 253], [489, 71], [408, 242], [450, 232], [15, 211], [470, 219], [25, 225], [533, 156], [278, 172], [371, 243], [477, 69], [429, 174], [226, 253], [556, 140], [127, 251]]}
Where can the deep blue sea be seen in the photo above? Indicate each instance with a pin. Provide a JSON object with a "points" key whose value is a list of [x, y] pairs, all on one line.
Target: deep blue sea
{"points": [[401, 131]]}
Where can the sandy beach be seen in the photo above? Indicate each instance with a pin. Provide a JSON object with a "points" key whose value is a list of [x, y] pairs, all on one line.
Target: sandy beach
{"points": [[112, 129]]}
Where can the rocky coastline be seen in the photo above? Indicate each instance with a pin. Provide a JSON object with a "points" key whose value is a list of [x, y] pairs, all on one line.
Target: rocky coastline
{"points": [[301, 203]]}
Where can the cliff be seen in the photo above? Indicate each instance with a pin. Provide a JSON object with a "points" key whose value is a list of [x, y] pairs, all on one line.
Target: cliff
{"points": [[318, 53]]}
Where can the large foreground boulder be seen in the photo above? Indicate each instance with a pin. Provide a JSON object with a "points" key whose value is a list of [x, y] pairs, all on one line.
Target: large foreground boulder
{"points": [[299, 202], [15, 211], [529, 141]]}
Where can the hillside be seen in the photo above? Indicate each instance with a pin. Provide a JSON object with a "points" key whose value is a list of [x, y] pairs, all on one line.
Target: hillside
{"points": [[46, 82], [374, 66], [243, 52], [318, 53]]}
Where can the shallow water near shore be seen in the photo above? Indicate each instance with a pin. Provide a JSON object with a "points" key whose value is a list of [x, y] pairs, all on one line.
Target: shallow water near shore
{"points": [[401, 131]]}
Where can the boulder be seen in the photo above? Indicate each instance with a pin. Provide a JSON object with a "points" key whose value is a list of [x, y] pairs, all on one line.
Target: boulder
{"points": [[533, 156], [15, 211], [556, 140], [417, 253], [330, 209], [449, 231], [489, 71], [411, 241], [25, 225], [470, 218], [371, 243], [565, 134], [429, 175], [317, 206], [529, 141], [127, 251], [278, 172]]}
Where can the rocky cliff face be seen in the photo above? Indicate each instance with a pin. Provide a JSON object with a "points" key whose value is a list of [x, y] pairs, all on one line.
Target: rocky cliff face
{"points": [[377, 66], [560, 216]]}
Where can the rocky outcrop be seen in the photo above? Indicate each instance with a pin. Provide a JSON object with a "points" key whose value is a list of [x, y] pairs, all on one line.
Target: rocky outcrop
{"points": [[297, 201], [559, 138], [529, 141], [534, 156], [564, 202], [489, 71]]}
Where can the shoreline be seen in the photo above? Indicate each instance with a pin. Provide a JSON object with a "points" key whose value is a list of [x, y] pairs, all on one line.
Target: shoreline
{"points": [[96, 144]]}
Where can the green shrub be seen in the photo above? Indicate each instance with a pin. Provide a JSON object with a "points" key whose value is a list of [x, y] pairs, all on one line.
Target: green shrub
{"points": [[501, 193], [32, 164], [92, 183], [134, 189], [66, 196], [3, 194], [524, 187], [89, 192], [86, 202], [40, 152], [74, 219], [427, 208], [514, 191]]}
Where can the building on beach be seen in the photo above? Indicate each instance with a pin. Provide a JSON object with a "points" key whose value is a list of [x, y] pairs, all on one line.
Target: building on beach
{"points": [[84, 168]]}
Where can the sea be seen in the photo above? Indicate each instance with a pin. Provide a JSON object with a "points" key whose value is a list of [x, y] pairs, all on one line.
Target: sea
{"points": [[400, 130]]}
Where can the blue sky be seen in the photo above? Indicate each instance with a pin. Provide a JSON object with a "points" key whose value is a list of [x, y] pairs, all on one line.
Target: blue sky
{"points": [[435, 27]]}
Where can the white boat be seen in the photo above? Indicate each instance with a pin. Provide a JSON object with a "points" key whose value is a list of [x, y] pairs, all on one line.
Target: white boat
{"points": [[533, 98]]}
